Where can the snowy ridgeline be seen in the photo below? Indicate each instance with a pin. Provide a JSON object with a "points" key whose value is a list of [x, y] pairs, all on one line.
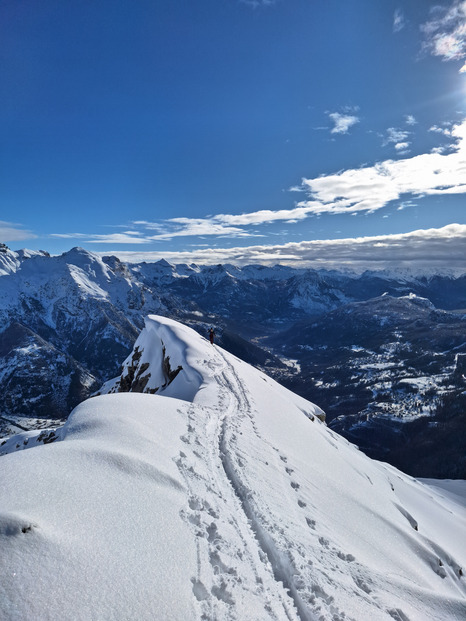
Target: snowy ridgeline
{"points": [[234, 503]]}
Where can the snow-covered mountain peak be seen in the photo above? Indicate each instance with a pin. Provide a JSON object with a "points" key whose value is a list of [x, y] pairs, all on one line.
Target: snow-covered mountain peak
{"points": [[52, 278], [9, 261], [162, 272], [79, 256], [84, 273], [85, 261], [25, 253], [163, 263]]}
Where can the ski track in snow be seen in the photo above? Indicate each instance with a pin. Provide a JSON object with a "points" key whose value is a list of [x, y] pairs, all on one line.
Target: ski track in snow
{"points": [[241, 408], [205, 465], [283, 569], [273, 568]]}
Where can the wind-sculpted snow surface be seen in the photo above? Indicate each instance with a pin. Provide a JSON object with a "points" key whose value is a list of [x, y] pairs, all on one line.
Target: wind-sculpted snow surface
{"points": [[234, 502]]}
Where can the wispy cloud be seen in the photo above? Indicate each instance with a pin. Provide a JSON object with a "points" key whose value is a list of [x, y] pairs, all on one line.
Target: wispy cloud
{"points": [[199, 227], [342, 122], [263, 216], [13, 232], [410, 119], [69, 235], [221, 225], [255, 4], [424, 248], [119, 238], [445, 32], [166, 230], [130, 237], [399, 21], [399, 138], [444, 129]]}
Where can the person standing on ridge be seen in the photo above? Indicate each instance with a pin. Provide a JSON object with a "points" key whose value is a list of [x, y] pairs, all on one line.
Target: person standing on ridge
{"points": [[211, 336]]}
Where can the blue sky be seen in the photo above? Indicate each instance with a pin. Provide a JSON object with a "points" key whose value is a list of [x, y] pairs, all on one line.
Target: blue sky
{"points": [[293, 131]]}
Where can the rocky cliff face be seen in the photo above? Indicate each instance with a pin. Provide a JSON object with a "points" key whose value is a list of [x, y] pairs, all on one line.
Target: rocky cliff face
{"points": [[37, 379]]}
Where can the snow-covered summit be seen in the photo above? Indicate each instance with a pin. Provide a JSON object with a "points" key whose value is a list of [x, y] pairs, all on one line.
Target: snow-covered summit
{"points": [[162, 272], [233, 502], [11, 261]]}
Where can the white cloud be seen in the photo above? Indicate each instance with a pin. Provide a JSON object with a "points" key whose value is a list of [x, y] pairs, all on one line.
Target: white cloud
{"points": [[445, 129], [223, 225], [371, 188], [264, 216], [169, 229], [439, 248], [255, 4], [402, 146], [69, 235], [399, 21], [119, 238], [12, 232], [405, 204], [342, 122], [410, 119], [187, 227], [397, 137], [130, 237], [445, 33]]}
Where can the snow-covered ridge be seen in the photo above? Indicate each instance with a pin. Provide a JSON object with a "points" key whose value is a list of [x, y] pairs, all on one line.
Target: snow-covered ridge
{"points": [[160, 355], [234, 503]]}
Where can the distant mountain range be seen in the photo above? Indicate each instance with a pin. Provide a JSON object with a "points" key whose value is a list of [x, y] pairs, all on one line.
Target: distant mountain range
{"points": [[384, 354]]}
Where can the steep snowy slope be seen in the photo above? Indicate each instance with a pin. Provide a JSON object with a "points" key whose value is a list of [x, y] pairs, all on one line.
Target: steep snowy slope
{"points": [[233, 503]]}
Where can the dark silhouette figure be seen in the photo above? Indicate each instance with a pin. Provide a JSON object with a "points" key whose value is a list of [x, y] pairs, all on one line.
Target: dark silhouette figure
{"points": [[211, 336]]}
